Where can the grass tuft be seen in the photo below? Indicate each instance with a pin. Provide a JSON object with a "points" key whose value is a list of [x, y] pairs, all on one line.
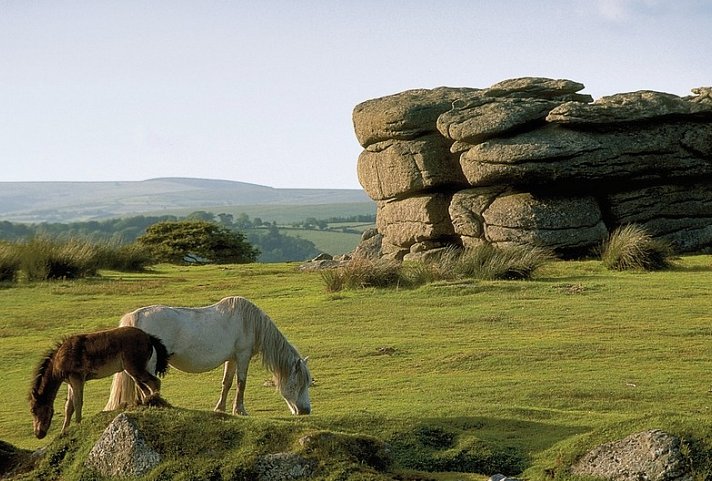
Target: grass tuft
{"points": [[629, 247], [484, 262]]}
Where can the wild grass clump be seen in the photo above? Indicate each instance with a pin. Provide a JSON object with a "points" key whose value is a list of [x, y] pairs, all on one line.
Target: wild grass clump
{"points": [[132, 257], [484, 262], [487, 262], [46, 259], [361, 273], [9, 262], [629, 247]]}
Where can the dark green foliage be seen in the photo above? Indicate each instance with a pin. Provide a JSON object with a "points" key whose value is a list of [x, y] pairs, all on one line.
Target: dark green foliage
{"points": [[180, 241], [631, 248], [276, 247]]}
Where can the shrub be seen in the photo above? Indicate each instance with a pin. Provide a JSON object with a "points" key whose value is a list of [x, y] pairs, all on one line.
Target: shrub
{"points": [[629, 247], [9, 262], [44, 259], [203, 241]]}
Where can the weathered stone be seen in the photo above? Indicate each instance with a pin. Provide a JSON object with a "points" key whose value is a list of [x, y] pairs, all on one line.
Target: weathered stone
{"points": [[643, 105], [535, 87], [553, 155], [487, 117], [400, 167], [403, 116], [652, 456], [702, 95], [534, 159], [467, 207], [414, 219], [122, 450], [679, 214], [370, 246], [283, 467], [564, 224]]}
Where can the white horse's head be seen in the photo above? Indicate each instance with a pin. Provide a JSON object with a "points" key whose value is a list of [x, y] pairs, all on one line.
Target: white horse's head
{"points": [[295, 388]]}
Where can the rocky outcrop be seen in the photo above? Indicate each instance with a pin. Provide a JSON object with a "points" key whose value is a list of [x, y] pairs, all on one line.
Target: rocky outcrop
{"points": [[533, 161], [651, 455], [122, 451]]}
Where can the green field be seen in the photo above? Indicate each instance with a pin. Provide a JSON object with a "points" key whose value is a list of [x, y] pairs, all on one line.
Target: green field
{"points": [[544, 369], [331, 242]]}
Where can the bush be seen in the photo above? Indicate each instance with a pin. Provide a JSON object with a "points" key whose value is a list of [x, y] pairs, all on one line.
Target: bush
{"points": [[630, 247], [9, 262], [45, 259], [206, 242]]}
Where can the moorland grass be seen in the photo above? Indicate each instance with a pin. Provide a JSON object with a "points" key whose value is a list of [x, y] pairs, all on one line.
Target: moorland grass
{"points": [[532, 372]]}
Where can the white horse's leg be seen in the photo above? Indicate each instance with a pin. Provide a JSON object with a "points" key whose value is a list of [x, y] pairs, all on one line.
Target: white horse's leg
{"points": [[68, 408], [228, 374], [243, 362]]}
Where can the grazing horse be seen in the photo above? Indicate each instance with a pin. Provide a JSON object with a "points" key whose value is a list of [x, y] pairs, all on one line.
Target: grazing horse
{"points": [[230, 332], [82, 357]]}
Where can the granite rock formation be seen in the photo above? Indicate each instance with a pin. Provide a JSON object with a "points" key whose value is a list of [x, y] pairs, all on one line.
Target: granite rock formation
{"points": [[533, 161]]}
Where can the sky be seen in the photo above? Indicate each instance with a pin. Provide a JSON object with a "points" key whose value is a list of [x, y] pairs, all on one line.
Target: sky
{"points": [[262, 91]]}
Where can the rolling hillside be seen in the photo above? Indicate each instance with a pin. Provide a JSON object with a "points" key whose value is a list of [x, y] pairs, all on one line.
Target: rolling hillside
{"points": [[81, 201]]}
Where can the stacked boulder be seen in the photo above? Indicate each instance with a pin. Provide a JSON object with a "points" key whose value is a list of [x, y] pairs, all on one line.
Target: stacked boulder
{"points": [[533, 161]]}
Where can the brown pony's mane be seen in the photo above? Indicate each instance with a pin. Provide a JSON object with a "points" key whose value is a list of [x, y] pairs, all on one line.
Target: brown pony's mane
{"points": [[44, 369]]}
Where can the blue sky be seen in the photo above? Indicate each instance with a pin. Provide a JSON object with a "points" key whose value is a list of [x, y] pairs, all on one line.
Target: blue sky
{"points": [[262, 91]]}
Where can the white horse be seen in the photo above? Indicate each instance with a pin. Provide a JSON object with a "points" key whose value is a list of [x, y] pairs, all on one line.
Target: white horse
{"points": [[231, 331]]}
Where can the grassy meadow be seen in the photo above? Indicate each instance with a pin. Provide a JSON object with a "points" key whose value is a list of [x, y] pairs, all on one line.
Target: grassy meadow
{"points": [[541, 370]]}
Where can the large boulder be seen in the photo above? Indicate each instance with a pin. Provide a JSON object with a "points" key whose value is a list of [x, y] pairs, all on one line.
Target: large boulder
{"points": [[485, 117], [644, 105], [651, 456], [567, 225], [415, 219], [394, 168], [573, 159], [403, 116]]}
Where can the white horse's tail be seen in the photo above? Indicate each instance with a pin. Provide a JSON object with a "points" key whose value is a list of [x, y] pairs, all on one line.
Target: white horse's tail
{"points": [[124, 391]]}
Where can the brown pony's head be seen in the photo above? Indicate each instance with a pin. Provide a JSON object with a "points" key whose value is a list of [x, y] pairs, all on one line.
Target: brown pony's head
{"points": [[41, 406]]}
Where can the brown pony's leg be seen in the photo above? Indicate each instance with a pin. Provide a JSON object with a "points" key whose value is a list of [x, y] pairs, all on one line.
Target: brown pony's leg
{"points": [[68, 408], [228, 375], [76, 392]]}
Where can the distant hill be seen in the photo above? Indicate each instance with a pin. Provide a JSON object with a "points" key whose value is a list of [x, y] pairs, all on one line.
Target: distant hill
{"points": [[82, 201]]}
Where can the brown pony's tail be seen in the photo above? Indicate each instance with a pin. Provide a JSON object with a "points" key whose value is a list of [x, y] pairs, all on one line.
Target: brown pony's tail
{"points": [[161, 356]]}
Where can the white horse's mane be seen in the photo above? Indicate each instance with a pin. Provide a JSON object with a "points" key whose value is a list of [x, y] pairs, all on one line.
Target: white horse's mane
{"points": [[278, 355]]}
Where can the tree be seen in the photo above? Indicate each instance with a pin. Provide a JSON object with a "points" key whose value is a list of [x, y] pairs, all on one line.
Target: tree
{"points": [[177, 242]]}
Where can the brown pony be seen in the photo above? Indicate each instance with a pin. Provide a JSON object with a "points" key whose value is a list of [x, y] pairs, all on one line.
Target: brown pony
{"points": [[82, 357]]}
